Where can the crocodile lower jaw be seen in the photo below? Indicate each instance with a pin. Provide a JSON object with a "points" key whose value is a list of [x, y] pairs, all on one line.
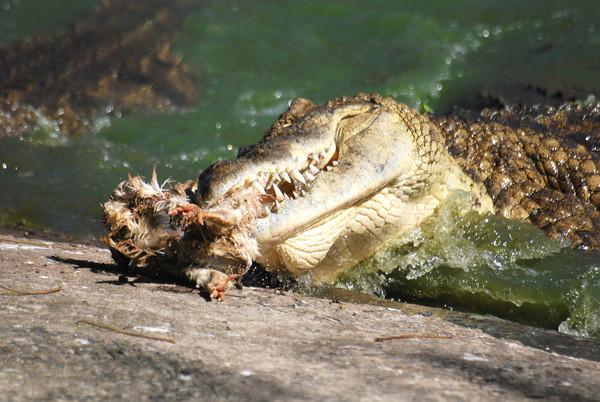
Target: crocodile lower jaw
{"points": [[348, 236]]}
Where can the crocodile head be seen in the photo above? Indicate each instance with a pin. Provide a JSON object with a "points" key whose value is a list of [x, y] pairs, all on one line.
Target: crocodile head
{"points": [[340, 179]]}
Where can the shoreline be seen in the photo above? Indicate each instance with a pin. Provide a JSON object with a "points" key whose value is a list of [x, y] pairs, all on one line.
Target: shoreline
{"points": [[83, 341]]}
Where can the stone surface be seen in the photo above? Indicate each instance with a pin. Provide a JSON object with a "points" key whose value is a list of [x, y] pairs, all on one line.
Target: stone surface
{"points": [[259, 344]]}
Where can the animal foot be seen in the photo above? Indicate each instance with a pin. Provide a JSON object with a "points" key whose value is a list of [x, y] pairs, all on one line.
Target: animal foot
{"points": [[218, 287], [189, 212], [192, 213], [215, 282]]}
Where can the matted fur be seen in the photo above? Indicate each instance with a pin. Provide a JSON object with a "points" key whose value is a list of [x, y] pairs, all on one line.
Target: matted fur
{"points": [[145, 227]]}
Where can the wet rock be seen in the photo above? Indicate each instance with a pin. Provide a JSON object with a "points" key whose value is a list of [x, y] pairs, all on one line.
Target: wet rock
{"points": [[117, 59], [259, 344]]}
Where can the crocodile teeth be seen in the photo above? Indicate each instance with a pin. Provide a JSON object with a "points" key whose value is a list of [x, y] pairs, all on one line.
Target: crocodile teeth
{"points": [[285, 176], [328, 168], [309, 176], [313, 169], [277, 205], [278, 193], [295, 194], [275, 177], [258, 187], [334, 163], [295, 173]]}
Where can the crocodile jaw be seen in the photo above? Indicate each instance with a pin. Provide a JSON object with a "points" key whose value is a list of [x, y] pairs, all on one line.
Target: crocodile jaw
{"points": [[363, 173], [345, 237], [351, 211]]}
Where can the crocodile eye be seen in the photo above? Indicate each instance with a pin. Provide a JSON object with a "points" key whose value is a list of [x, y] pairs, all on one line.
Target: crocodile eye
{"points": [[355, 122]]}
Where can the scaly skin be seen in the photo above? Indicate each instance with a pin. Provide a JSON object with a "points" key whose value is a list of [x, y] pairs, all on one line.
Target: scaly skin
{"points": [[329, 185], [539, 164]]}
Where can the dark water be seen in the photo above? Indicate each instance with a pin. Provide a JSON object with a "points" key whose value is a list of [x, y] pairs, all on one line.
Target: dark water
{"points": [[251, 57]]}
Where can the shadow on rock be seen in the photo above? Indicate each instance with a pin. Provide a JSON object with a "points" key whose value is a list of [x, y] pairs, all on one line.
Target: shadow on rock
{"points": [[515, 379], [124, 371]]}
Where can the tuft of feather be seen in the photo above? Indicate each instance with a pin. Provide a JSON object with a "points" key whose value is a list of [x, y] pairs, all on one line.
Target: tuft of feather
{"points": [[137, 218], [146, 225]]}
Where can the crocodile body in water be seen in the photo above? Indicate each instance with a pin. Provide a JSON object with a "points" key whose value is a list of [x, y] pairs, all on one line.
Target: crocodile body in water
{"points": [[328, 186]]}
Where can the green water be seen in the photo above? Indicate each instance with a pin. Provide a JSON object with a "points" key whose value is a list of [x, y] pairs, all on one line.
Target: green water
{"points": [[507, 268], [251, 57]]}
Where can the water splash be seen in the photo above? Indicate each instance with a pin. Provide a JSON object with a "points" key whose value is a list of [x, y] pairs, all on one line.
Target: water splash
{"points": [[487, 264]]}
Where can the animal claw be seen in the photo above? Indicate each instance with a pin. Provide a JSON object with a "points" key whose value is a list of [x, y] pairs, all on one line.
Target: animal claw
{"points": [[193, 213], [190, 211], [217, 287]]}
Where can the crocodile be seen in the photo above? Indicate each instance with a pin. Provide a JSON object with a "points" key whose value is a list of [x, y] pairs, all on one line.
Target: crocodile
{"points": [[330, 184]]}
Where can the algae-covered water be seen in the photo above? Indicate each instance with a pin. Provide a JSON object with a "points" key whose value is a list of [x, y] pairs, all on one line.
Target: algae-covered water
{"points": [[251, 57]]}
